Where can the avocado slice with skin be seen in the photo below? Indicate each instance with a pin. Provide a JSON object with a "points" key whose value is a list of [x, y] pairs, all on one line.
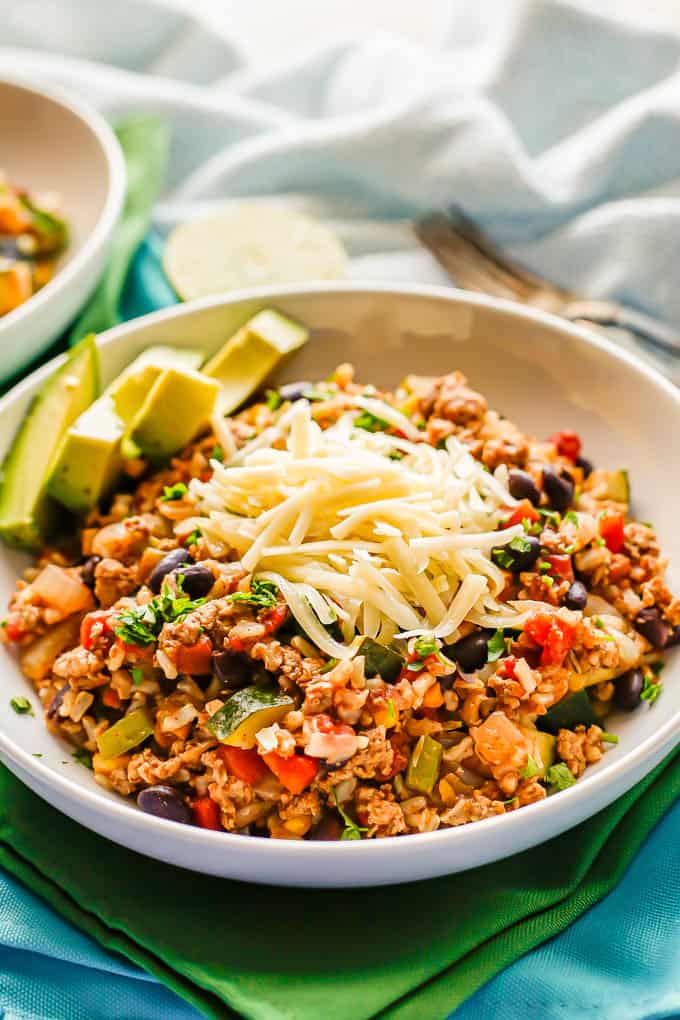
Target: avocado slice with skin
{"points": [[27, 514], [90, 458], [245, 361]]}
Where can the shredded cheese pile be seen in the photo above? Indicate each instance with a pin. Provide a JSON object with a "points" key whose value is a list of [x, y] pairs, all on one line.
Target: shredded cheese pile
{"points": [[385, 534]]}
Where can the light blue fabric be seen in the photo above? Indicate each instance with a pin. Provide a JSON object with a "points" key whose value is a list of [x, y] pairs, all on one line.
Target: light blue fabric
{"points": [[558, 131]]}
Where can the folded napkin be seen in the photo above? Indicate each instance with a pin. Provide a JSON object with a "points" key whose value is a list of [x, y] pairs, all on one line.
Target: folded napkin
{"points": [[401, 953], [576, 194]]}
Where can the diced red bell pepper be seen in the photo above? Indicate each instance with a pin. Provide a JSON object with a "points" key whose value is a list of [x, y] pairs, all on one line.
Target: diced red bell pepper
{"points": [[13, 631], [245, 764], [554, 635], [275, 618], [206, 813], [524, 511], [195, 659], [111, 698], [568, 444], [561, 566], [105, 617], [295, 773], [611, 530], [506, 668]]}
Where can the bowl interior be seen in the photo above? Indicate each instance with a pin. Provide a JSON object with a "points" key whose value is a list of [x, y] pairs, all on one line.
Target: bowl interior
{"points": [[538, 372], [47, 147]]}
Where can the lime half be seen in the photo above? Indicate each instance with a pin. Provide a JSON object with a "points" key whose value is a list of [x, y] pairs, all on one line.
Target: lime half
{"points": [[250, 244]]}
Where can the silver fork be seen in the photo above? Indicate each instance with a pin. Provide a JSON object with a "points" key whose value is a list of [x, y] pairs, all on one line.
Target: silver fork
{"points": [[476, 263]]}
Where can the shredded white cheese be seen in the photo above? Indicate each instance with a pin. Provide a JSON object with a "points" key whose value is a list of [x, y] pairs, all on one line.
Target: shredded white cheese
{"points": [[379, 532]]}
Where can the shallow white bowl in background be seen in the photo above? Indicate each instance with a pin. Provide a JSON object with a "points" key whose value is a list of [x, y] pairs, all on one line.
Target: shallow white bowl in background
{"points": [[51, 142], [539, 371]]}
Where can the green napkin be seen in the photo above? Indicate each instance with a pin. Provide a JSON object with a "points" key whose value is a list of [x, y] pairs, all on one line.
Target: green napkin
{"points": [[401, 953], [144, 141]]}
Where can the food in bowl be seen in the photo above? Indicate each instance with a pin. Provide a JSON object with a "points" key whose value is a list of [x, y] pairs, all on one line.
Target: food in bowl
{"points": [[32, 237], [340, 613]]}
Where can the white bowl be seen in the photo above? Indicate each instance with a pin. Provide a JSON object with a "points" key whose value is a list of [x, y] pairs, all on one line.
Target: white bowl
{"points": [[541, 372], [51, 142]]}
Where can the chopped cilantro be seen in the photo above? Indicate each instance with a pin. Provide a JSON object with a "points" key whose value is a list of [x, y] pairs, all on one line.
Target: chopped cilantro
{"points": [[193, 537], [552, 518], [396, 455], [599, 622], [370, 422], [544, 566], [391, 712], [531, 768], [137, 675], [352, 830], [609, 738], [651, 690], [83, 757], [657, 666], [548, 580], [495, 646], [560, 777], [22, 706], [648, 524], [572, 517], [570, 549], [217, 453], [36, 754], [3, 624], [273, 400], [262, 594], [141, 625], [420, 424], [504, 555], [535, 528], [600, 541], [426, 645], [176, 491]]}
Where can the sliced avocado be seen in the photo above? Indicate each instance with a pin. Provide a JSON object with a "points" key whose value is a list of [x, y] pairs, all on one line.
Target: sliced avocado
{"points": [[175, 409], [242, 365], [574, 710], [90, 458], [546, 746], [27, 514], [618, 486]]}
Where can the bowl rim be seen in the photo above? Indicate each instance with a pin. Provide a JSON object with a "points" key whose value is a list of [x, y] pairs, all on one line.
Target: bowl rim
{"points": [[295, 850], [113, 202]]}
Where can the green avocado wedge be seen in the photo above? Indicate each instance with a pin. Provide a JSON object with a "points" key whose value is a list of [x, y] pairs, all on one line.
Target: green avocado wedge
{"points": [[27, 514], [90, 458], [245, 361], [175, 409]]}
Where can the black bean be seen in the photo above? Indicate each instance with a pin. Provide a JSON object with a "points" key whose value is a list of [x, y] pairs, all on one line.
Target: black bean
{"points": [[628, 689], [87, 570], [650, 624], [585, 465], [55, 703], [470, 652], [559, 489], [294, 390], [518, 554], [232, 670], [522, 486], [197, 581], [163, 802], [577, 596], [173, 560]]}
